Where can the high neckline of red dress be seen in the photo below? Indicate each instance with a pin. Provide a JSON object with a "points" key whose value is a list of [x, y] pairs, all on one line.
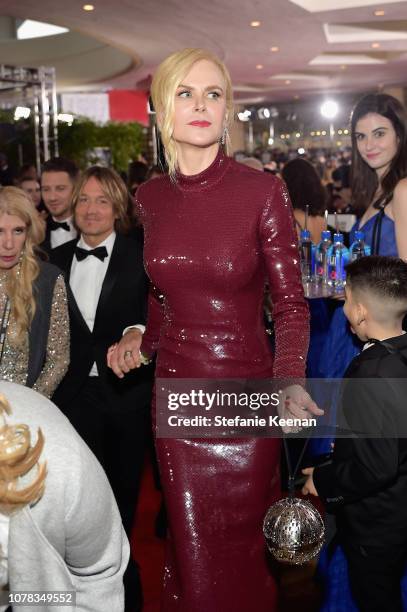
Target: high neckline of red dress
{"points": [[205, 179]]}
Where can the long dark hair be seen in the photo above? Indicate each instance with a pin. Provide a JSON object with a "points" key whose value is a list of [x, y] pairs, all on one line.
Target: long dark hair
{"points": [[364, 178], [304, 186]]}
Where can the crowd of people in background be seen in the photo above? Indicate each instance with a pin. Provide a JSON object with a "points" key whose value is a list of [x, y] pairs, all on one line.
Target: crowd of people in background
{"points": [[332, 166]]}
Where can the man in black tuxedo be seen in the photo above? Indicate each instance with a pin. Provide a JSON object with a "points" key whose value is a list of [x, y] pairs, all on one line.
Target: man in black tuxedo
{"points": [[58, 179], [108, 292]]}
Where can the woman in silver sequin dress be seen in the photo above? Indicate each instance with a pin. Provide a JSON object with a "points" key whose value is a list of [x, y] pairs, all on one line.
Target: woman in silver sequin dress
{"points": [[34, 325]]}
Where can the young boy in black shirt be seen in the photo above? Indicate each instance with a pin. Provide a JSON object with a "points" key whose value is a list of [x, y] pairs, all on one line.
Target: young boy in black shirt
{"points": [[365, 484]]}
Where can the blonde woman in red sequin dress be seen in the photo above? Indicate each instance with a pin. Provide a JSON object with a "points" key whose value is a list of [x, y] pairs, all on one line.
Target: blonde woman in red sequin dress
{"points": [[214, 229]]}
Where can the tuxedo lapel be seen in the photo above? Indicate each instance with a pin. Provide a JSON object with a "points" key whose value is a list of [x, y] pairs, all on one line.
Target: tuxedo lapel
{"points": [[66, 265], [46, 244], [115, 263]]}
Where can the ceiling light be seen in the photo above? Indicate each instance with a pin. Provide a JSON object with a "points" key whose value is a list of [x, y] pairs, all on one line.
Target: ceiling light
{"points": [[379, 13], [21, 112], [259, 66], [66, 118], [298, 135], [255, 24], [88, 7], [245, 115], [37, 29], [375, 45], [301, 151], [263, 113], [329, 109], [274, 49], [323, 133]]}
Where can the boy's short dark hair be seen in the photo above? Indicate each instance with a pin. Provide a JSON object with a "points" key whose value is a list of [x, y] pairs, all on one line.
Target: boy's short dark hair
{"points": [[61, 164], [386, 277]]}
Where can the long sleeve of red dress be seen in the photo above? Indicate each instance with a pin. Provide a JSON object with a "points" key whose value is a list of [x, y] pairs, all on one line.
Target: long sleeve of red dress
{"points": [[290, 311], [151, 336]]}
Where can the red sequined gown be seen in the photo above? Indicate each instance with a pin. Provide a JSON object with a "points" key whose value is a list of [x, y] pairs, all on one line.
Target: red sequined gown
{"points": [[210, 241]]}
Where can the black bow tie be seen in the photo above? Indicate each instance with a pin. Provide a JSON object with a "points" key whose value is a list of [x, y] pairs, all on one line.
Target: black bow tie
{"points": [[54, 225], [99, 252]]}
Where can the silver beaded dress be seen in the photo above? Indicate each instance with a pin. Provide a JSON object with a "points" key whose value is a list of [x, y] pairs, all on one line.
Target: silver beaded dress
{"points": [[14, 362]]}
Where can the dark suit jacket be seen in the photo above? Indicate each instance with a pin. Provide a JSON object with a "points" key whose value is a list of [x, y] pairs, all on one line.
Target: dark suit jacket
{"points": [[366, 482], [46, 244], [122, 302]]}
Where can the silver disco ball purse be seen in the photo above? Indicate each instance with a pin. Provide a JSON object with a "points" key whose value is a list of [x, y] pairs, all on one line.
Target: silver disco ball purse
{"points": [[293, 527]]}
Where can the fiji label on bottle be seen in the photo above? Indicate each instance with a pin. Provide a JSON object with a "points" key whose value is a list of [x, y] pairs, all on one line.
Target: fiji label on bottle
{"points": [[319, 264], [337, 262]]}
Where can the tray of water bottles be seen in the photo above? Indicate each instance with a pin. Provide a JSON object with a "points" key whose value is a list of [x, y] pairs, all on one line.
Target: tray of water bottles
{"points": [[314, 290], [323, 265]]}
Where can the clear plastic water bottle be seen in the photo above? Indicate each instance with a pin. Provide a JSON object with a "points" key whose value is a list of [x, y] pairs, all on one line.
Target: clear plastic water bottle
{"points": [[359, 249], [338, 257], [313, 260], [306, 255], [322, 262]]}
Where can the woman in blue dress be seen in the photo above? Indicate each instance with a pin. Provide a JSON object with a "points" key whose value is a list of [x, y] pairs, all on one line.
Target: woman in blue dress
{"points": [[379, 197]]}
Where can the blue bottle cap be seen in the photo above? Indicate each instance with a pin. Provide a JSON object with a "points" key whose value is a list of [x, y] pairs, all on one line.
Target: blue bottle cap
{"points": [[326, 235], [359, 235], [305, 234], [338, 238]]}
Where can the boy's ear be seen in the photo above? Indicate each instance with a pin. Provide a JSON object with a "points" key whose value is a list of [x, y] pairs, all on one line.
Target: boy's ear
{"points": [[362, 312]]}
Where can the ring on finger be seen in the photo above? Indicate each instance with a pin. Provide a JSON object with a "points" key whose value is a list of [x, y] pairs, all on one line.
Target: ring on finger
{"points": [[127, 354]]}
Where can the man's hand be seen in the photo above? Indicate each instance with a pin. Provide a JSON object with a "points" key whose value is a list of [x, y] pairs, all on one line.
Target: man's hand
{"points": [[309, 487], [295, 402], [124, 356]]}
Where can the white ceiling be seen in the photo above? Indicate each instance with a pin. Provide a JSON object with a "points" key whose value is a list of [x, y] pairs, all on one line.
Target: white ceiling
{"points": [[317, 6], [324, 45]]}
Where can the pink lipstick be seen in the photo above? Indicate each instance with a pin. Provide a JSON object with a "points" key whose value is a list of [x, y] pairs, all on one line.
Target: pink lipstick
{"points": [[201, 124]]}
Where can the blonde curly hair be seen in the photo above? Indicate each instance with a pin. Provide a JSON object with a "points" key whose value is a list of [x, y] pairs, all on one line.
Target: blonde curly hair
{"points": [[167, 78], [17, 458], [14, 201]]}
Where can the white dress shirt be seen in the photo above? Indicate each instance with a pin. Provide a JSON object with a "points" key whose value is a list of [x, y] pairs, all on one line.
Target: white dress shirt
{"points": [[86, 282], [60, 236]]}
